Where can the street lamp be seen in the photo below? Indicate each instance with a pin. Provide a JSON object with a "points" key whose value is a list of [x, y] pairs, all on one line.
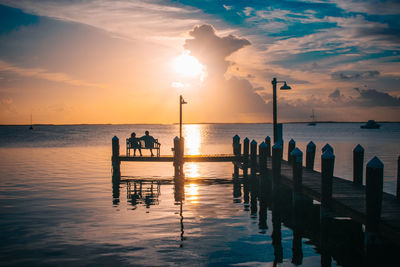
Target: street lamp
{"points": [[284, 87], [181, 102]]}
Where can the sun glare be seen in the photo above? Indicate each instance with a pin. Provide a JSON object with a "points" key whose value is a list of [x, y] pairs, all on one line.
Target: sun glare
{"points": [[187, 65]]}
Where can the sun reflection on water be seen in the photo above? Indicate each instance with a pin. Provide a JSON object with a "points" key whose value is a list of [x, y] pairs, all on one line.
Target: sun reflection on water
{"points": [[192, 192], [192, 135]]}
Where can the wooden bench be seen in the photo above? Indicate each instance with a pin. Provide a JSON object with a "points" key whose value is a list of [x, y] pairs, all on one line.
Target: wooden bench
{"points": [[130, 145]]}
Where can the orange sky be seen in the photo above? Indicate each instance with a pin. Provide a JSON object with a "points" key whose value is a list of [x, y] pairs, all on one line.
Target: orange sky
{"points": [[94, 62]]}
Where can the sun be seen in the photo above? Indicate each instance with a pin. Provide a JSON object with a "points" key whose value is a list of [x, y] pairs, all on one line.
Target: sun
{"points": [[187, 65]]}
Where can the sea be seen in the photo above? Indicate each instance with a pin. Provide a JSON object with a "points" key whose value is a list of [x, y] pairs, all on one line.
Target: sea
{"points": [[58, 206]]}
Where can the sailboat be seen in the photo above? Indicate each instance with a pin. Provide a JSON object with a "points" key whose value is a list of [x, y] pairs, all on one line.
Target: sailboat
{"points": [[31, 126], [312, 123]]}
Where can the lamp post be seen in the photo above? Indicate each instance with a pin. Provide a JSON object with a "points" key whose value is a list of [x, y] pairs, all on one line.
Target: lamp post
{"points": [[181, 102], [274, 109]]}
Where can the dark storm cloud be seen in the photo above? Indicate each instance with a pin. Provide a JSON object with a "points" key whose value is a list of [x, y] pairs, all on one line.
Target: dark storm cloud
{"points": [[354, 75], [211, 50], [372, 97]]}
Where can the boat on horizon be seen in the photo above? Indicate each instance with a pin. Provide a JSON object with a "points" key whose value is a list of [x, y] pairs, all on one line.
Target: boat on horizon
{"points": [[371, 124], [312, 123]]}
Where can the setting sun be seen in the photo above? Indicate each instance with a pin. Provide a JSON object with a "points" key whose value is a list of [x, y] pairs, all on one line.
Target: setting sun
{"points": [[187, 65]]}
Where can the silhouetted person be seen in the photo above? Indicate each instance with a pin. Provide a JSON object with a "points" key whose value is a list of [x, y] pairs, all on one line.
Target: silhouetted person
{"points": [[135, 143], [149, 141]]}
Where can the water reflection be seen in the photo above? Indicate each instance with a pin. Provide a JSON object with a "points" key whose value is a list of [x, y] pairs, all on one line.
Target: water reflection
{"points": [[192, 135], [191, 170], [146, 192], [341, 245]]}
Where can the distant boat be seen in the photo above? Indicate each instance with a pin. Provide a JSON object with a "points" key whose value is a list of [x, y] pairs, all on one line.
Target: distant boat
{"points": [[31, 126], [312, 123], [371, 124]]}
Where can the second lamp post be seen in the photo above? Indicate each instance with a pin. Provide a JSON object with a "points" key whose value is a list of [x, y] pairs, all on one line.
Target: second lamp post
{"points": [[274, 109]]}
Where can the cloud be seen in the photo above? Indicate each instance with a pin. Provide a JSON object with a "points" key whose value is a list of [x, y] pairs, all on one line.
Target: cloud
{"points": [[336, 95], [354, 75], [212, 50], [373, 98], [47, 75]]}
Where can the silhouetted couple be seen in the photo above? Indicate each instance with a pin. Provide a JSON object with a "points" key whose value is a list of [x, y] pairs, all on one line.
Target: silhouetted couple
{"points": [[149, 142]]}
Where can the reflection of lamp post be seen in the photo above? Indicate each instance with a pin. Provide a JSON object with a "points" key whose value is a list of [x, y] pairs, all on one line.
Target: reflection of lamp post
{"points": [[181, 102], [284, 87]]}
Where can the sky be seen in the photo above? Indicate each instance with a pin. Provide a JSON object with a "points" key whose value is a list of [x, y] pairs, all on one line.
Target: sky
{"points": [[97, 61]]}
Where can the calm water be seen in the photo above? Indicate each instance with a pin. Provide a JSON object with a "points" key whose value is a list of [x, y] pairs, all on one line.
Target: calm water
{"points": [[56, 204]]}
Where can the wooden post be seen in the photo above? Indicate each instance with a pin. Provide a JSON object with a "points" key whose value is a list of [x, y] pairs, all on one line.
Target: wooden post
{"points": [[327, 166], [236, 152], [116, 163], [373, 196], [254, 185], [398, 178], [246, 145], [326, 217], [276, 164], [374, 187], [291, 146], [310, 155], [253, 157], [297, 157], [326, 147], [177, 156], [358, 163], [263, 164], [268, 143], [262, 197]]}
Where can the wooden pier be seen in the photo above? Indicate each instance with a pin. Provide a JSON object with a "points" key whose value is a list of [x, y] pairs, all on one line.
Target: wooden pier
{"points": [[365, 204]]}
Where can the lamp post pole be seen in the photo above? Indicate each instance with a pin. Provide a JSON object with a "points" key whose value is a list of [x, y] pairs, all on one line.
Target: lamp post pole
{"points": [[274, 110]]}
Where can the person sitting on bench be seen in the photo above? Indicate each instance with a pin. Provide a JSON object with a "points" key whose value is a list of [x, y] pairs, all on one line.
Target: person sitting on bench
{"points": [[135, 142], [149, 141]]}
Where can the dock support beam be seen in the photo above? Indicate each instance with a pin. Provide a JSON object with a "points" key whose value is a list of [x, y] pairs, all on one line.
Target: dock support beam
{"points": [[374, 187], [246, 149], [291, 146], [326, 217], [398, 179], [178, 156], [254, 186], [268, 143], [236, 152], [358, 164], [115, 159], [310, 155]]}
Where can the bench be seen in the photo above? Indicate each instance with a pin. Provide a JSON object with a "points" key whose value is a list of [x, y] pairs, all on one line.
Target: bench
{"points": [[130, 145]]}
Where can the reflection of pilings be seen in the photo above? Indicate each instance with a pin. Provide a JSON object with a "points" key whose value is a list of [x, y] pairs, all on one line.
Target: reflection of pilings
{"points": [[254, 186], [115, 188], [276, 224], [237, 193], [236, 183], [181, 222], [263, 186]]}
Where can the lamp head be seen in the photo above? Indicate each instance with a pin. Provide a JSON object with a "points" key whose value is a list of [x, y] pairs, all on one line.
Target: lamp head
{"points": [[285, 87]]}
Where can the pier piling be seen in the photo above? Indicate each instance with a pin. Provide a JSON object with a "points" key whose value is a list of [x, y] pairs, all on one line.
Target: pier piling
{"points": [[374, 187], [246, 149], [236, 152], [116, 163], [291, 146], [310, 155], [398, 179], [358, 164], [276, 164], [268, 143]]}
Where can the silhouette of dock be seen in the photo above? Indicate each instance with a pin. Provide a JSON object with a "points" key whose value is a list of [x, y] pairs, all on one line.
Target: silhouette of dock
{"points": [[366, 204]]}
